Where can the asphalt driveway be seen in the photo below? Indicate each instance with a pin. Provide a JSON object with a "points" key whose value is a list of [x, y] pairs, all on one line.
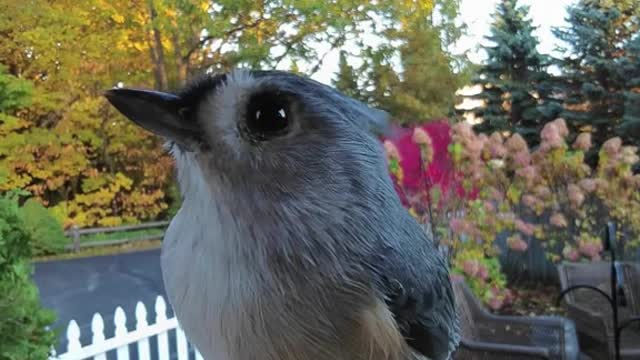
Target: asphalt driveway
{"points": [[78, 288]]}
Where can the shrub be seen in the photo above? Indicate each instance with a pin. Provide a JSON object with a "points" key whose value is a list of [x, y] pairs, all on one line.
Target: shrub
{"points": [[548, 197], [46, 232], [23, 329], [421, 164], [550, 194], [112, 200]]}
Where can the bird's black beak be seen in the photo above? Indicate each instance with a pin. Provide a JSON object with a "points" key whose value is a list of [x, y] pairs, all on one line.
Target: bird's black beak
{"points": [[157, 112]]}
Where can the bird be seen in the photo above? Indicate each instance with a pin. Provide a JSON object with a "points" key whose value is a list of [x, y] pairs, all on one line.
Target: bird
{"points": [[291, 242]]}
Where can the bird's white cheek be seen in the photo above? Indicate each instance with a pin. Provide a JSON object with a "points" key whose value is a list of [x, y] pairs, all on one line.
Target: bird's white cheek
{"points": [[222, 110]]}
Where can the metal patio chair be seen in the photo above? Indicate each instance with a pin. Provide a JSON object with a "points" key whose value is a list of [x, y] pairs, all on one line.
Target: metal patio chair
{"points": [[592, 312], [488, 336]]}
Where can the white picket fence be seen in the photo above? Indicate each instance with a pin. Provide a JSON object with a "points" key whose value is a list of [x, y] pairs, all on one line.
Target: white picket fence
{"points": [[122, 338]]}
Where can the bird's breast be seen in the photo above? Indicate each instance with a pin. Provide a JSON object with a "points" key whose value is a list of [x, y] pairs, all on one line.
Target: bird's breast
{"points": [[232, 305], [210, 287]]}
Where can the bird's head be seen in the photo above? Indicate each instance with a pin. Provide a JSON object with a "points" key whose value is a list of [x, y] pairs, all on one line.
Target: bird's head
{"points": [[269, 131]]}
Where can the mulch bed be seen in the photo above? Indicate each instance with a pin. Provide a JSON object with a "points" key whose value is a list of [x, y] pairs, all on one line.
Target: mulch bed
{"points": [[533, 300]]}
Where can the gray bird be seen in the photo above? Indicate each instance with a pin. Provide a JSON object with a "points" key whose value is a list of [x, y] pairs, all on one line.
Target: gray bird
{"points": [[291, 243]]}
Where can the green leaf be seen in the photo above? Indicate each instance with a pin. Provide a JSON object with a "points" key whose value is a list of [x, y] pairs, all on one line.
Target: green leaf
{"points": [[513, 194]]}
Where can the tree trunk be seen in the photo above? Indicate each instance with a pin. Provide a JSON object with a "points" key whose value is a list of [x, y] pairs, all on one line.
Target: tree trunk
{"points": [[106, 142], [182, 64], [157, 52]]}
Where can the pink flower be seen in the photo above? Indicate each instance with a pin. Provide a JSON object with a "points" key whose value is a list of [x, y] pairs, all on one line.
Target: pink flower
{"points": [[558, 220], [457, 225], [470, 267], [522, 158], [590, 248], [391, 150], [475, 146], [583, 142], [482, 273], [542, 191], [516, 144], [561, 125], [612, 146], [525, 228], [496, 148], [588, 185], [508, 296], [539, 155], [427, 155], [421, 137], [483, 138], [496, 138], [494, 194], [549, 131], [551, 137], [462, 131], [495, 303], [629, 155], [516, 243], [488, 206], [570, 253], [528, 172], [576, 197], [497, 151], [627, 180], [530, 201], [601, 184]]}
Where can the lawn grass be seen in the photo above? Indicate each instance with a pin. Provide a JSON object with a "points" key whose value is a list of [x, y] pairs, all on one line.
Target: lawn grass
{"points": [[133, 246]]}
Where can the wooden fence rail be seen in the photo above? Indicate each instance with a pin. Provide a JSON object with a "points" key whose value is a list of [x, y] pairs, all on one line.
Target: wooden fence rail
{"points": [[75, 233]]}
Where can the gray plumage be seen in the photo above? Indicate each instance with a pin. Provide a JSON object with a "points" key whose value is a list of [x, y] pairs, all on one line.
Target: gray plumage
{"points": [[291, 242]]}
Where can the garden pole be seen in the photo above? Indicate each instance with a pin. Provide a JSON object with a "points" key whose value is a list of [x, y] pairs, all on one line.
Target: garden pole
{"points": [[610, 243]]}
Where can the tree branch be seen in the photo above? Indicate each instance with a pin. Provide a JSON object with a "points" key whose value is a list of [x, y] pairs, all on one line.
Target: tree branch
{"points": [[226, 35], [337, 42]]}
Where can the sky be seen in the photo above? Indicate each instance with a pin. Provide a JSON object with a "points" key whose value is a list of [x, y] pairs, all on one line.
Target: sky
{"points": [[477, 14]]}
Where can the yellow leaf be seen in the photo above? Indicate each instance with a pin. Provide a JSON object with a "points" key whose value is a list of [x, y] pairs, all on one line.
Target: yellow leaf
{"points": [[118, 18]]}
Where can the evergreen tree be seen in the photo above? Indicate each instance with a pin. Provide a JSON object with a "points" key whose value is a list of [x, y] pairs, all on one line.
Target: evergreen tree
{"points": [[629, 129], [513, 77], [346, 80], [597, 38]]}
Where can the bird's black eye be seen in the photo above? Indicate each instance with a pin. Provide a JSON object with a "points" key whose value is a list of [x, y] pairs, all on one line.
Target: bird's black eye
{"points": [[267, 116]]}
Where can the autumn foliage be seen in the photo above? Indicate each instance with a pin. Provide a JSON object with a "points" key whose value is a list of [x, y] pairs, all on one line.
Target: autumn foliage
{"points": [[496, 184], [84, 161]]}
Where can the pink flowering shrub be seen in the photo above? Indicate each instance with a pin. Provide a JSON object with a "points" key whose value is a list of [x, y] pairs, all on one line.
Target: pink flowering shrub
{"points": [[434, 191], [467, 188], [424, 175]]}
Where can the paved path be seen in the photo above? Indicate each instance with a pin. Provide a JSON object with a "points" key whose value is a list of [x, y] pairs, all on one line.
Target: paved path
{"points": [[78, 288]]}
